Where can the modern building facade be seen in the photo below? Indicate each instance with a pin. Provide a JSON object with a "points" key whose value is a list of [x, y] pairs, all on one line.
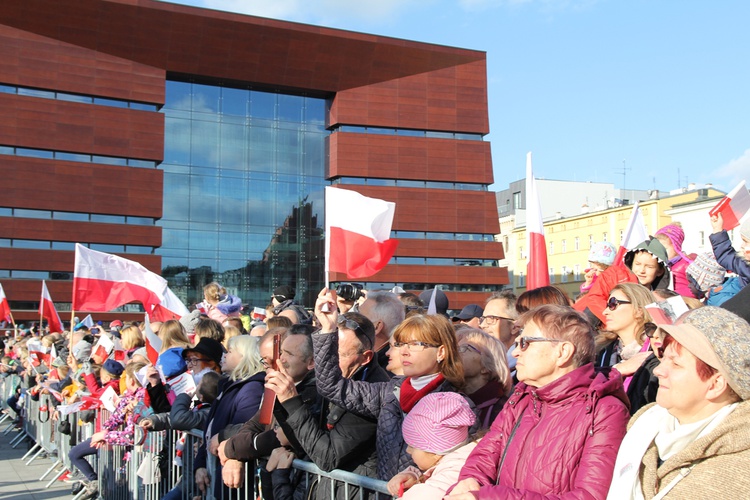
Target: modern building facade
{"points": [[569, 239], [198, 143]]}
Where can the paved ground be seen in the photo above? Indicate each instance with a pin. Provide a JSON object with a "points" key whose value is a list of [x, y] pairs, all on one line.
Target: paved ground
{"points": [[21, 482]]}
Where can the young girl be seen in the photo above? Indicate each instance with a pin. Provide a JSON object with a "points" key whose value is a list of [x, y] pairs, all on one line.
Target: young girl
{"points": [[437, 433]]}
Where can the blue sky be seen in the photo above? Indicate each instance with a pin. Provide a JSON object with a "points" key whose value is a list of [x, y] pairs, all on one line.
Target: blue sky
{"points": [[584, 84]]}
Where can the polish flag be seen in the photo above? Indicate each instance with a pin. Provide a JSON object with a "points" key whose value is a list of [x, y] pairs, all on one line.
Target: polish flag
{"points": [[635, 234], [153, 343], [37, 352], [103, 348], [4, 306], [358, 232], [120, 352], [169, 308], [52, 356], [102, 282], [47, 311], [537, 271], [733, 206]]}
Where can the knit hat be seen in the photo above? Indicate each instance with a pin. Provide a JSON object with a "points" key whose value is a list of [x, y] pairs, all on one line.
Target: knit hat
{"points": [[706, 271], [718, 338], [171, 362], [140, 352], [82, 351], [189, 321], [602, 252], [113, 367], [438, 423], [745, 229], [677, 236]]}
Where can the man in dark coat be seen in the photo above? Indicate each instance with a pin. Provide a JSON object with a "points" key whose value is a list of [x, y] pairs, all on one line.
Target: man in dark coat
{"points": [[347, 441], [253, 440]]}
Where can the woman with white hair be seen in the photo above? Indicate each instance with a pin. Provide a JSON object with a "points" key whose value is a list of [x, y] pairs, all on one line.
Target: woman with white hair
{"points": [[239, 397], [694, 441]]}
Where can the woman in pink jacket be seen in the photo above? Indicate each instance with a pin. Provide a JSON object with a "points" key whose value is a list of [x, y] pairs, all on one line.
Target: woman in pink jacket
{"points": [[558, 434]]}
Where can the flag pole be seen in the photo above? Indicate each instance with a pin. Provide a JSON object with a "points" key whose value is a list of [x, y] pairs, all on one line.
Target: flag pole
{"points": [[15, 326]]}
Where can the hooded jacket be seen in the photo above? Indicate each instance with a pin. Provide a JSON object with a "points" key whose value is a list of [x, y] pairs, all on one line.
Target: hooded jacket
{"points": [[554, 440], [655, 248]]}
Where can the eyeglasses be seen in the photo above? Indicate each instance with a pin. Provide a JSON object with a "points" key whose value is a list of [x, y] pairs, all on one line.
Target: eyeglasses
{"points": [[493, 318], [524, 342], [195, 361], [350, 324], [613, 302], [468, 347], [649, 329], [415, 345]]}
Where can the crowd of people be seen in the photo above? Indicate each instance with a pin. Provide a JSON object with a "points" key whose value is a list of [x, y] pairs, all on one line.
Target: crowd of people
{"points": [[613, 393]]}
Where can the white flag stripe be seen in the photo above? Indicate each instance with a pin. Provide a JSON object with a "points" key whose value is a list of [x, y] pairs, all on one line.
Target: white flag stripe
{"points": [[344, 209]]}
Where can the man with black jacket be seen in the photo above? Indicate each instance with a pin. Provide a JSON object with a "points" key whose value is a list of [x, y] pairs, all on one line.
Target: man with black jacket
{"points": [[347, 441], [253, 440]]}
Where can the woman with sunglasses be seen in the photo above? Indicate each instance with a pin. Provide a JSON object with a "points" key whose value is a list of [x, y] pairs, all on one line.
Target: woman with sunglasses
{"points": [[558, 434], [429, 356], [625, 345]]}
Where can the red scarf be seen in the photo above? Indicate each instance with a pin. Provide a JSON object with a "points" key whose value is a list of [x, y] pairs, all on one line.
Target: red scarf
{"points": [[410, 396]]}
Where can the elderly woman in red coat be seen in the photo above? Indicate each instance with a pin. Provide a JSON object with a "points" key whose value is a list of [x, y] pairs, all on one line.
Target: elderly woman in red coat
{"points": [[559, 432]]}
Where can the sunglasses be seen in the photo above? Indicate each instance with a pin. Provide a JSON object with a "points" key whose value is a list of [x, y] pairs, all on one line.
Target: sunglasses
{"points": [[613, 302], [350, 324], [649, 329], [524, 342]]}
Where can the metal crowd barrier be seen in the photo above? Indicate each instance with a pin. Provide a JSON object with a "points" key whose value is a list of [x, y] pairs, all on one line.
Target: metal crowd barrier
{"points": [[134, 472], [8, 389]]}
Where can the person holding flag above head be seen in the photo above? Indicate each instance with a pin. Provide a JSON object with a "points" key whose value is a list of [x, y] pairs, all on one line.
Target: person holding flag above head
{"points": [[725, 254]]}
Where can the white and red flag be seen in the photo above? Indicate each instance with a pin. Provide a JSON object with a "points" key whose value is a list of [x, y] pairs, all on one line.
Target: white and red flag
{"points": [[4, 306], [358, 232], [634, 235], [537, 272], [102, 282], [733, 206], [48, 311], [153, 342], [103, 348]]}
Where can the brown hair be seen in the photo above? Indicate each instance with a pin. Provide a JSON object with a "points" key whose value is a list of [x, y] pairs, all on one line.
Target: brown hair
{"points": [[540, 296], [132, 368], [132, 338], [564, 323], [435, 329], [172, 334]]}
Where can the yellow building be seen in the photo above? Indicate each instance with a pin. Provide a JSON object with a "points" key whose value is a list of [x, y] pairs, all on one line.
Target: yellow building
{"points": [[569, 240]]}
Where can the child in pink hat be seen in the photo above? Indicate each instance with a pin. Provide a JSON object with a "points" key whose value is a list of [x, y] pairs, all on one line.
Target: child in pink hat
{"points": [[437, 434]]}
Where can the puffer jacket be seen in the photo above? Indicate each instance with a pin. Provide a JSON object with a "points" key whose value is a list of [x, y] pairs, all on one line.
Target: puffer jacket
{"points": [[727, 256], [560, 440], [374, 400]]}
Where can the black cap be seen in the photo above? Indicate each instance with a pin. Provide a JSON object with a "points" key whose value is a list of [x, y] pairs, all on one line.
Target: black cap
{"points": [[283, 292]]}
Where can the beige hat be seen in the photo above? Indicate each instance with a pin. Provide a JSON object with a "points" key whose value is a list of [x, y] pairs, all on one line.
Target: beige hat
{"points": [[719, 338]]}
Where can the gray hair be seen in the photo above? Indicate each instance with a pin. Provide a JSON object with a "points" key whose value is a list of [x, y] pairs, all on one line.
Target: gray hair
{"points": [[388, 308]]}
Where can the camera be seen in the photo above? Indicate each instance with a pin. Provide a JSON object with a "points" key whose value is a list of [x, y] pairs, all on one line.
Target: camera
{"points": [[349, 291]]}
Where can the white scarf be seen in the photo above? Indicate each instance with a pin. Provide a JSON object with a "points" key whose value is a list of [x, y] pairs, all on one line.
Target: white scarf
{"points": [[655, 425]]}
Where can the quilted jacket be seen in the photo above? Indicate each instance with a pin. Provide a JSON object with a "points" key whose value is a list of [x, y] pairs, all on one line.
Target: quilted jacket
{"points": [[375, 400], [556, 441]]}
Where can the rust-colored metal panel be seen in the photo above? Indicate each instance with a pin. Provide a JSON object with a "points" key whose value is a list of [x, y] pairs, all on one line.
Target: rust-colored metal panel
{"points": [[91, 232], [81, 128], [60, 260], [417, 158], [450, 249], [194, 41], [36, 61], [467, 275], [81, 187]]}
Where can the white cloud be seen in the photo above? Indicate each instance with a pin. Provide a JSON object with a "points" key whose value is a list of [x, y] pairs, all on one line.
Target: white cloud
{"points": [[736, 169]]}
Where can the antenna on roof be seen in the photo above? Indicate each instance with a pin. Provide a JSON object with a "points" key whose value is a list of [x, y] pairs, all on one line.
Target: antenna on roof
{"points": [[624, 172]]}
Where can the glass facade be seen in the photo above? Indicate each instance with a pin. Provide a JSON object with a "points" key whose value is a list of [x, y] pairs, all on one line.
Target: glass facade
{"points": [[243, 191]]}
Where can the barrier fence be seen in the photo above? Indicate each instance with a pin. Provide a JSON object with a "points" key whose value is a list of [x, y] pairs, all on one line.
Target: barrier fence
{"points": [[159, 465]]}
